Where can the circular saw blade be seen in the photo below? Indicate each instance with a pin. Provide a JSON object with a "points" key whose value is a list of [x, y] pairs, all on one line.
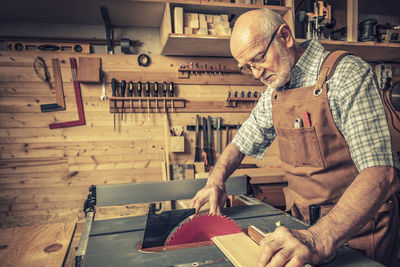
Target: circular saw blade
{"points": [[202, 228]]}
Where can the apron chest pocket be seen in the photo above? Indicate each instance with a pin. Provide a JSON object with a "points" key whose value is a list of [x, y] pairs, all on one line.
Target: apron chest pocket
{"points": [[299, 147]]}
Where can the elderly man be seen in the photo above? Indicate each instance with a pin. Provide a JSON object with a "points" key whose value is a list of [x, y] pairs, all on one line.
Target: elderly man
{"points": [[334, 143]]}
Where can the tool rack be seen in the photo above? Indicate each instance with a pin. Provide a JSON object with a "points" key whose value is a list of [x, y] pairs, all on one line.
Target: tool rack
{"points": [[184, 71], [139, 104], [235, 101]]}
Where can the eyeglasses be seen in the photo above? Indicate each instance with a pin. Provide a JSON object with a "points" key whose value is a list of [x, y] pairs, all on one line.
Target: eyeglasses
{"points": [[248, 68]]}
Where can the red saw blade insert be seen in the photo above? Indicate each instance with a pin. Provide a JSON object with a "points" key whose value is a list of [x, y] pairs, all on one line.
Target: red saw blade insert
{"points": [[203, 228]]}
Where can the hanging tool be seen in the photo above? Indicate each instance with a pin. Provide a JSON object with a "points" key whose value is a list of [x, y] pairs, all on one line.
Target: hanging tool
{"points": [[139, 93], [197, 148], [317, 17], [171, 94], [109, 30], [147, 94], [164, 93], [210, 155], [218, 126], [41, 70], [205, 143], [114, 93], [130, 94], [60, 105], [123, 90], [78, 98], [103, 87], [156, 88]]}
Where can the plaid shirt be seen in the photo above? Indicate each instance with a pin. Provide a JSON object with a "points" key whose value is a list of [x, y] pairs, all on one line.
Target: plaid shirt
{"points": [[355, 105]]}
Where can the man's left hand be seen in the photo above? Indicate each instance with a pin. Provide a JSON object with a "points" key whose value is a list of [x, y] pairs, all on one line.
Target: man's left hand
{"points": [[286, 247]]}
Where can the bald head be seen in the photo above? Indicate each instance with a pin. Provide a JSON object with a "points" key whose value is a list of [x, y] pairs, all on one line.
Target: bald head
{"points": [[254, 25]]}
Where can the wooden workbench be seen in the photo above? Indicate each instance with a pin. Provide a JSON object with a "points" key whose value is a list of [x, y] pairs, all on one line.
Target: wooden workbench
{"points": [[38, 245]]}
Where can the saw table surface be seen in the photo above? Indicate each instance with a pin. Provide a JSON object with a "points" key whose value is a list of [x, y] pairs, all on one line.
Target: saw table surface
{"points": [[113, 242]]}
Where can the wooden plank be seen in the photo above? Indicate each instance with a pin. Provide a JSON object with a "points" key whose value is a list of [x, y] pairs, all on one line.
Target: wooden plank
{"points": [[240, 249], [262, 175], [165, 26], [40, 194], [37, 165], [352, 20], [40, 245], [28, 218], [48, 205], [89, 69], [178, 20], [58, 85], [79, 178]]}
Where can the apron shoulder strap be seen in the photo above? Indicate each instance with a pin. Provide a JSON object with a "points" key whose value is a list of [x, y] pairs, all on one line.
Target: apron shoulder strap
{"points": [[328, 66]]}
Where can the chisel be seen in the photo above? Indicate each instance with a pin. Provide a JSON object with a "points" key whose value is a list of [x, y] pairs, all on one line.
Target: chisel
{"points": [[205, 142], [147, 94], [218, 126], [130, 94], [164, 93], [210, 156], [171, 94], [139, 93], [114, 93], [197, 148], [123, 90], [156, 94]]}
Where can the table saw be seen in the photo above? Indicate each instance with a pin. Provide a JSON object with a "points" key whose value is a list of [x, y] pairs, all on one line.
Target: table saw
{"points": [[117, 242]]}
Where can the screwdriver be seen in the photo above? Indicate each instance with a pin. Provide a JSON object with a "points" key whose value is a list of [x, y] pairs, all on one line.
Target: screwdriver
{"points": [[130, 94], [139, 93], [123, 89], [171, 94], [156, 94], [164, 93], [147, 92], [114, 93]]}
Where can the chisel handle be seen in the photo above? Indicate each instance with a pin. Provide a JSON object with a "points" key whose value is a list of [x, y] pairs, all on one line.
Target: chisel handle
{"points": [[123, 88], [130, 88], [114, 86], [156, 88], [139, 88]]}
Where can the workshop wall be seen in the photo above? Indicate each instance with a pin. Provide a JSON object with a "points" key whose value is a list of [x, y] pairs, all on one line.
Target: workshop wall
{"points": [[45, 174]]}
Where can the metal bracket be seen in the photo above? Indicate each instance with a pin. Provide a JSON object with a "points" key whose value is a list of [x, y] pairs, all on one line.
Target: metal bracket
{"points": [[90, 202]]}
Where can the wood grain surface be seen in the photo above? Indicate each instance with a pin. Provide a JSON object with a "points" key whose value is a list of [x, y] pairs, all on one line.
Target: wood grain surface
{"points": [[240, 249], [39, 245]]}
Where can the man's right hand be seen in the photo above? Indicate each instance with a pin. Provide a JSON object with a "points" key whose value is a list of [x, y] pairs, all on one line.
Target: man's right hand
{"points": [[213, 193]]}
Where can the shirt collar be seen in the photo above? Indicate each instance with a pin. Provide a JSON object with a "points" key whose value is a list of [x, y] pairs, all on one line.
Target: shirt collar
{"points": [[311, 59]]}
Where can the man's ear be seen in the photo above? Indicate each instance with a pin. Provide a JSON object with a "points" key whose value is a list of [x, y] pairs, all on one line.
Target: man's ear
{"points": [[285, 34]]}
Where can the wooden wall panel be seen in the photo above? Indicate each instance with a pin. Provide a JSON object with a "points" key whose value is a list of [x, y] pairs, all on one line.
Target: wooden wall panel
{"points": [[45, 174]]}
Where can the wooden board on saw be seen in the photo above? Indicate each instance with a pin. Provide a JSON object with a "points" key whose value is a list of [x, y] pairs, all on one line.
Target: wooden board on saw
{"points": [[38, 245], [239, 248]]}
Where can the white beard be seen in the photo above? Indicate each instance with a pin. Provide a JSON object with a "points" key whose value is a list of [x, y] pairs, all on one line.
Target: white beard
{"points": [[287, 62]]}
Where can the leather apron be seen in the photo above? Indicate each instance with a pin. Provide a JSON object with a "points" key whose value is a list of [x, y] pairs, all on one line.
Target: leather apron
{"points": [[318, 165]]}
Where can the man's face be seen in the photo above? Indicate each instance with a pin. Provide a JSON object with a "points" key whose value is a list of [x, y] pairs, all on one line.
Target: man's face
{"points": [[270, 64]]}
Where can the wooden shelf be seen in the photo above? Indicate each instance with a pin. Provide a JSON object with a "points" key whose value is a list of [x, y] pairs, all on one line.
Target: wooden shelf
{"points": [[173, 44], [196, 45], [369, 51], [223, 7]]}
